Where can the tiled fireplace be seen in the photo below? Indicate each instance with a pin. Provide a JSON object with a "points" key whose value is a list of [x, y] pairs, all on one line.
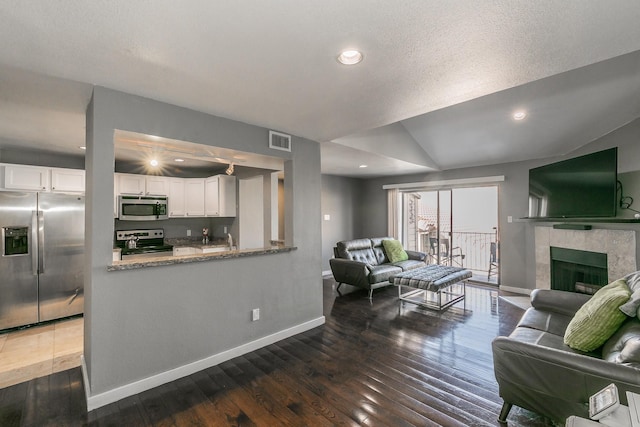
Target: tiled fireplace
{"points": [[589, 249]]}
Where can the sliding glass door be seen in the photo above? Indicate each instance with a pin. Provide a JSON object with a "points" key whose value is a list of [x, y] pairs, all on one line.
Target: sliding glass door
{"points": [[455, 227]]}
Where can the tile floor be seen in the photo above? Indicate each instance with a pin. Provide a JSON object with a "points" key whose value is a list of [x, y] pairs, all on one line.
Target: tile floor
{"points": [[40, 350]]}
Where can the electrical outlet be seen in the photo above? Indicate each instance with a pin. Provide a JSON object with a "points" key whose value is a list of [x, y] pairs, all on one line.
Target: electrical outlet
{"points": [[225, 229], [188, 233], [255, 314]]}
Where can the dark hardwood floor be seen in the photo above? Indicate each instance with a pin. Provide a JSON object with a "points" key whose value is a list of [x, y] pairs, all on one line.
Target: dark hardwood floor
{"points": [[372, 364]]}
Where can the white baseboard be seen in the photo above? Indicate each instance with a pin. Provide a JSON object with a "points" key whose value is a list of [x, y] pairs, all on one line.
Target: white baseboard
{"points": [[119, 393], [515, 290]]}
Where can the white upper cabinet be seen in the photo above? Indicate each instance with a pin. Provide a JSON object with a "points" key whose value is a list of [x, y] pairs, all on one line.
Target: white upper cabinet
{"points": [[220, 196], [130, 183], [31, 178], [188, 197], [157, 186], [211, 196], [67, 180], [194, 196], [176, 197]]}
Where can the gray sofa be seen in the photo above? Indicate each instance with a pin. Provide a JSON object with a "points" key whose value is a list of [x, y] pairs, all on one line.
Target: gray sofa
{"points": [[537, 371], [364, 263]]}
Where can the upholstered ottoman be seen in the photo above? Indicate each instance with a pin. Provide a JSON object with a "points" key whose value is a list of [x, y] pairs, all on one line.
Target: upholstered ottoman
{"points": [[433, 286]]}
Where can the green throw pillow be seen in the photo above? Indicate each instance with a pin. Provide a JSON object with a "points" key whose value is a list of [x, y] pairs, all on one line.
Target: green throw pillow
{"points": [[598, 318], [394, 250]]}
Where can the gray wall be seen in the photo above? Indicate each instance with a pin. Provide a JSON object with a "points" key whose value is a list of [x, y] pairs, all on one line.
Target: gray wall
{"points": [[141, 323], [341, 201], [41, 158], [517, 263]]}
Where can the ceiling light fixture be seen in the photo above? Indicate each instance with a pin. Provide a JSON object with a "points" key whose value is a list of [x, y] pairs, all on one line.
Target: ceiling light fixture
{"points": [[362, 166], [350, 57], [153, 162], [178, 160], [519, 115], [82, 147], [229, 170]]}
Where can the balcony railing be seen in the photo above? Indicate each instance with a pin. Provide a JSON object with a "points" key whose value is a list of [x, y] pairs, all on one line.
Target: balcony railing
{"points": [[471, 250]]}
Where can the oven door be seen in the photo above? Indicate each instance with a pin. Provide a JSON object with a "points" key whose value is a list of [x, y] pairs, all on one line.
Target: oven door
{"points": [[139, 208]]}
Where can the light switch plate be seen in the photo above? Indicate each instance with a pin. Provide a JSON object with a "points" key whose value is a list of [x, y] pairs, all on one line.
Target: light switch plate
{"points": [[327, 217], [255, 314]]}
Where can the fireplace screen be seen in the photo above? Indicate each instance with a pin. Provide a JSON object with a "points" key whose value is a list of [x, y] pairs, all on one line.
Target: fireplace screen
{"points": [[578, 271]]}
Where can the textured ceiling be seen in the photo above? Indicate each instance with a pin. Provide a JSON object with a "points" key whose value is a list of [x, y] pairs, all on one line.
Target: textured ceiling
{"points": [[273, 64]]}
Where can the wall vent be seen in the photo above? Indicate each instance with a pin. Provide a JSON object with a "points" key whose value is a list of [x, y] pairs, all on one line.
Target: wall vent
{"points": [[279, 141]]}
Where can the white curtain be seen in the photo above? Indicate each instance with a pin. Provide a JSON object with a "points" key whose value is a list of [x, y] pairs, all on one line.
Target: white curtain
{"points": [[392, 212]]}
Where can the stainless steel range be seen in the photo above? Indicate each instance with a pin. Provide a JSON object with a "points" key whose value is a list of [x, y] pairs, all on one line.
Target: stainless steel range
{"points": [[141, 244]]}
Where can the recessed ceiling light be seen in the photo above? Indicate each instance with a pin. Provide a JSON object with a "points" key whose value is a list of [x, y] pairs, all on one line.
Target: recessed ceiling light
{"points": [[519, 115], [178, 160], [82, 147], [153, 162], [350, 57], [362, 166]]}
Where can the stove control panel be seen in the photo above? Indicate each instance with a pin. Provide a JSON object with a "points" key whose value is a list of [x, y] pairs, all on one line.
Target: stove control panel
{"points": [[155, 233]]}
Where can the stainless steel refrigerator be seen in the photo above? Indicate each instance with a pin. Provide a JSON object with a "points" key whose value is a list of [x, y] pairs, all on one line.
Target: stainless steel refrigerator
{"points": [[41, 267]]}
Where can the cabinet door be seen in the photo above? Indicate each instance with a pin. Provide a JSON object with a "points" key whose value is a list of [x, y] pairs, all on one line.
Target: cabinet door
{"points": [[26, 178], [130, 183], [156, 185], [227, 196], [194, 196], [176, 197], [67, 180], [211, 196]]}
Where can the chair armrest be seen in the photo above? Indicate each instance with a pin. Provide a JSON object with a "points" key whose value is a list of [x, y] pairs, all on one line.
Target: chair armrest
{"points": [[555, 382], [562, 302], [354, 273], [419, 256]]}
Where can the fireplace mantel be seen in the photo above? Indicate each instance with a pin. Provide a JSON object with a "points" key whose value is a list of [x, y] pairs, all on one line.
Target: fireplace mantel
{"points": [[619, 245]]}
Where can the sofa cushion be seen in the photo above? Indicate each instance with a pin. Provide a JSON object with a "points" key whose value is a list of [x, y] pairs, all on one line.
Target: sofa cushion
{"points": [[357, 250], [545, 321], [395, 251], [378, 249], [598, 318], [624, 346], [382, 273], [409, 264], [544, 339]]}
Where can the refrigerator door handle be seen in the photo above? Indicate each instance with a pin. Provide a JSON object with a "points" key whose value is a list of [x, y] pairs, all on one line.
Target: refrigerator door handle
{"points": [[41, 241], [34, 240]]}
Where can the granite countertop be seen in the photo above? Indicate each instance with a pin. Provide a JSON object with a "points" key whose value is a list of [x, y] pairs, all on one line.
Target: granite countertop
{"points": [[184, 259]]}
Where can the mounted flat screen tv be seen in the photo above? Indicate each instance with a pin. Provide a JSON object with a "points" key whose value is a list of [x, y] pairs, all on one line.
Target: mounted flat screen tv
{"points": [[582, 187]]}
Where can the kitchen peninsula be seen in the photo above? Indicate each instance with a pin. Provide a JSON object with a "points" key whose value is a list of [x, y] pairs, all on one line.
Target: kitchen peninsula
{"points": [[198, 257]]}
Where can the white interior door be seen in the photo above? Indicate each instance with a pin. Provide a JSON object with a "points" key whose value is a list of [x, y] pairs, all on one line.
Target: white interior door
{"points": [[251, 213]]}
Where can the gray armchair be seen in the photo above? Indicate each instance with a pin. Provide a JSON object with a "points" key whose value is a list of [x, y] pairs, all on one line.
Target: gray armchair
{"points": [[537, 371]]}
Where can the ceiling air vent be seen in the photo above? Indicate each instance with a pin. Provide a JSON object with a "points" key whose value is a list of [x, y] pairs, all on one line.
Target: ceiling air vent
{"points": [[279, 141]]}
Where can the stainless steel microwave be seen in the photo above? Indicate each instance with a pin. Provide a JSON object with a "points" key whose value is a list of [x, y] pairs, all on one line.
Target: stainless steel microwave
{"points": [[142, 208]]}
